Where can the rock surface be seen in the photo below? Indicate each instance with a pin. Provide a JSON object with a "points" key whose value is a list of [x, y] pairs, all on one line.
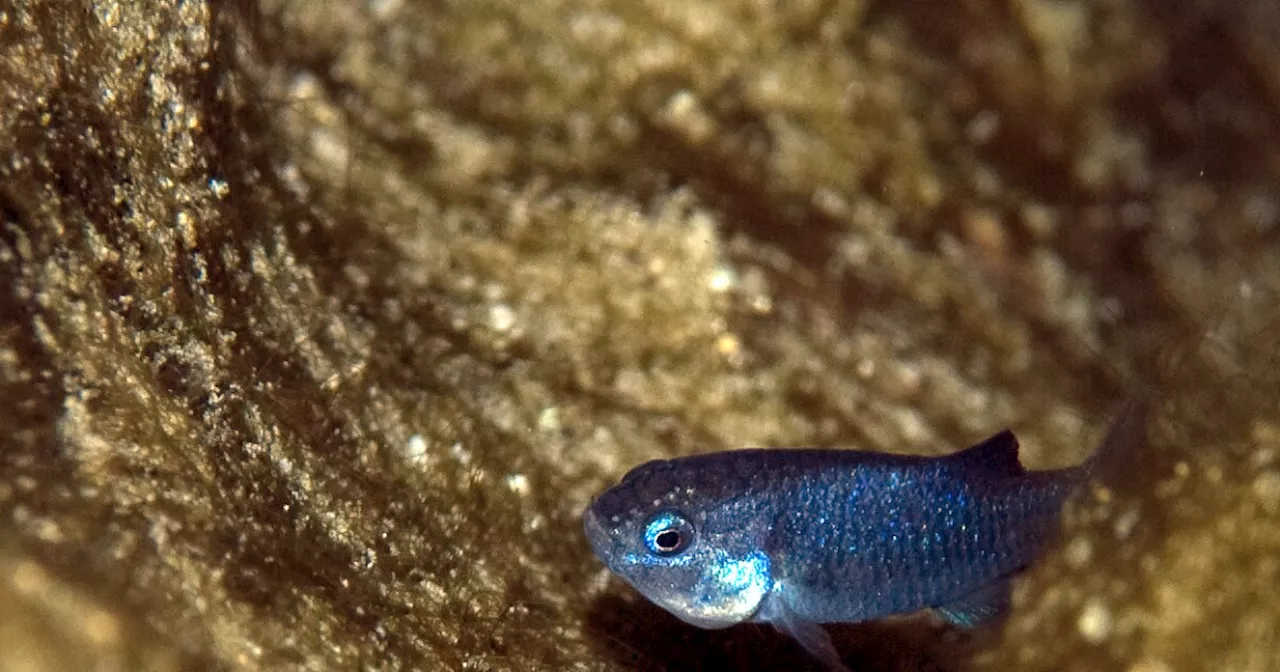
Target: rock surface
{"points": [[322, 321]]}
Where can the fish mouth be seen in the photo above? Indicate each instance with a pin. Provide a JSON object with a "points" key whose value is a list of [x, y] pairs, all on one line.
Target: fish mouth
{"points": [[597, 534]]}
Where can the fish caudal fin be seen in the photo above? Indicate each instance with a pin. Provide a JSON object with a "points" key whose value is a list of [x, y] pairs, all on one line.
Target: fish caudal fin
{"points": [[809, 635], [1128, 431]]}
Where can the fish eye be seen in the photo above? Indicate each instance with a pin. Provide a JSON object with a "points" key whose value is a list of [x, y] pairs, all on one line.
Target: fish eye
{"points": [[668, 533]]}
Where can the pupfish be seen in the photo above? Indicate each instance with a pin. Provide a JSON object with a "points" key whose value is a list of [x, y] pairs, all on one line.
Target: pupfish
{"points": [[797, 537]]}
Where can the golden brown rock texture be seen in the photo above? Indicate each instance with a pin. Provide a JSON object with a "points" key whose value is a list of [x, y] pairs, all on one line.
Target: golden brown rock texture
{"points": [[323, 320]]}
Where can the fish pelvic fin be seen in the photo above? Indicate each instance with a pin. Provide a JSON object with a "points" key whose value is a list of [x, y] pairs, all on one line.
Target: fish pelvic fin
{"points": [[812, 637], [981, 607]]}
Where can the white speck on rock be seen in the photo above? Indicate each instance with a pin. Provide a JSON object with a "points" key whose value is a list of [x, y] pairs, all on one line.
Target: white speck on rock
{"points": [[1095, 622], [219, 187], [415, 450], [501, 317], [723, 279], [518, 483], [1078, 553], [1267, 486], [1125, 523], [549, 419]]}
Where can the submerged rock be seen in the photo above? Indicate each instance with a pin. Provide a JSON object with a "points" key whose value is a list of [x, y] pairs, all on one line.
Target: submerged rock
{"points": [[321, 324]]}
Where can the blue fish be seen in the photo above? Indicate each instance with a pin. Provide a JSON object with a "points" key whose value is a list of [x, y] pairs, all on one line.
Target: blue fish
{"points": [[799, 537]]}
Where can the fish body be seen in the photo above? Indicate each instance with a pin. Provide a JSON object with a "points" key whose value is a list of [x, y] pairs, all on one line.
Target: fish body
{"points": [[799, 537]]}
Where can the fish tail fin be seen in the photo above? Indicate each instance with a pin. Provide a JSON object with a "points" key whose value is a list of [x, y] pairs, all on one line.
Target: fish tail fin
{"points": [[1128, 431]]}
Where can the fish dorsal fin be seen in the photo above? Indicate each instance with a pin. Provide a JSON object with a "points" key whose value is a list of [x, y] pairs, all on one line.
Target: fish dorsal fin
{"points": [[996, 455]]}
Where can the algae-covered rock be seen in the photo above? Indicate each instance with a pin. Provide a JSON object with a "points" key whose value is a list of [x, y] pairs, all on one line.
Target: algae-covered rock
{"points": [[322, 321]]}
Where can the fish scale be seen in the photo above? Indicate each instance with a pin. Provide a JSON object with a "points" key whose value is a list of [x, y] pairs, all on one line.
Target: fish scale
{"points": [[928, 560], [804, 536]]}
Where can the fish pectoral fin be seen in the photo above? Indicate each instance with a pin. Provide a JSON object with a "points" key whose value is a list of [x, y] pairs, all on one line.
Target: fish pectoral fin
{"points": [[809, 635], [979, 607]]}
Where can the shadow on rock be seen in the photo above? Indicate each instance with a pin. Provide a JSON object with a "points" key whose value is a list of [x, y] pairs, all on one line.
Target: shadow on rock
{"points": [[641, 636]]}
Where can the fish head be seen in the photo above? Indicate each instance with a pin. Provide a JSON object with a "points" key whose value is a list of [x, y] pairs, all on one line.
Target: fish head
{"points": [[691, 550]]}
